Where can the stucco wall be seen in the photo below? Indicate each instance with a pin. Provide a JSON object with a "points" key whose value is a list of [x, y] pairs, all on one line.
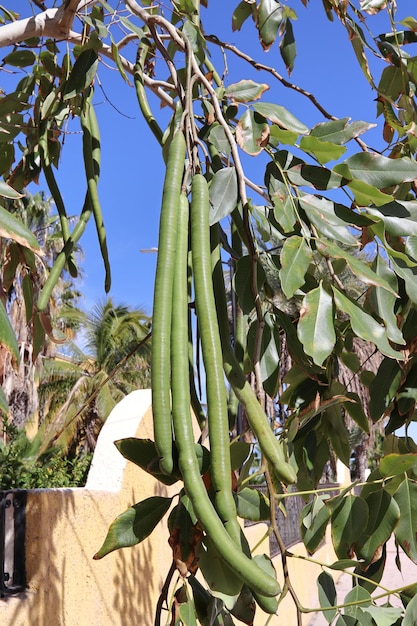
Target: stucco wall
{"points": [[65, 527]]}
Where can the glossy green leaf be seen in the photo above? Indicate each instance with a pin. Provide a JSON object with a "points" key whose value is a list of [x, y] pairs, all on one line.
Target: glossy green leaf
{"points": [[287, 46], [359, 598], [222, 581], [399, 217], [347, 620], [187, 613], [384, 615], [240, 15], [239, 452], [223, 194], [20, 58], [366, 194], [242, 282], [383, 517], [384, 387], [7, 334], [82, 74], [385, 301], [379, 171], [296, 256], [270, 16], [410, 617], [321, 213], [364, 325], [8, 192], [316, 324], [252, 132], [252, 505], [245, 91], [218, 138], [279, 115], [134, 525], [269, 362], [317, 176], [340, 131], [245, 608], [143, 453], [324, 151], [313, 523], [335, 430], [393, 464], [405, 532], [407, 395], [327, 595], [356, 412], [348, 521]]}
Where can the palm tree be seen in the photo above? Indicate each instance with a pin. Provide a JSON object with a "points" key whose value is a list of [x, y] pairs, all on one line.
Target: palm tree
{"points": [[22, 274], [78, 393]]}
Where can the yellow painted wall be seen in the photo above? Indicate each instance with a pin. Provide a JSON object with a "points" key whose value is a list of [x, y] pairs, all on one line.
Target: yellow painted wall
{"points": [[65, 527]]}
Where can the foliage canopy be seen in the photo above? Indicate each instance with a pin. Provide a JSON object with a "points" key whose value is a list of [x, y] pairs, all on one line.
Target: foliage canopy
{"points": [[291, 238]]}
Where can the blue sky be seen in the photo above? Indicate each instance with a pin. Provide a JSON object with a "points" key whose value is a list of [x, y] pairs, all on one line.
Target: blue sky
{"points": [[132, 167]]}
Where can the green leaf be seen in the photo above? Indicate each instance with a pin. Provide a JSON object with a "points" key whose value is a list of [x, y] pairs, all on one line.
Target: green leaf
{"points": [[383, 518], [8, 192], [296, 257], [366, 194], [12, 228], [335, 430], [134, 525], [313, 523], [399, 217], [222, 581], [384, 387], [7, 334], [223, 194], [324, 151], [143, 453], [356, 412], [239, 452], [348, 521], [20, 58], [340, 131], [364, 325], [393, 464], [270, 16], [287, 46], [385, 302], [321, 213], [327, 595], [384, 615], [252, 132], [242, 282], [405, 532], [359, 268], [316, 324], [240, 15], [187, 613], [379, 171], [270, 353], [279, 115], [252, 505], [245, 91], [410, 617], [82, 74]]}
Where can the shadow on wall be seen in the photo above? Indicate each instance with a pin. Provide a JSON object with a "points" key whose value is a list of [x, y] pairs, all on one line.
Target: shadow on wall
{"points": [[65, 527]]}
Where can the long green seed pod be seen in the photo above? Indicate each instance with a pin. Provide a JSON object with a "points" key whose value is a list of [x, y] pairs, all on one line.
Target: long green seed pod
{"points": [[162, 304], [91, 146], [218, 422], [56, 195], [63, 256], [271, 447], [236, 560]]}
